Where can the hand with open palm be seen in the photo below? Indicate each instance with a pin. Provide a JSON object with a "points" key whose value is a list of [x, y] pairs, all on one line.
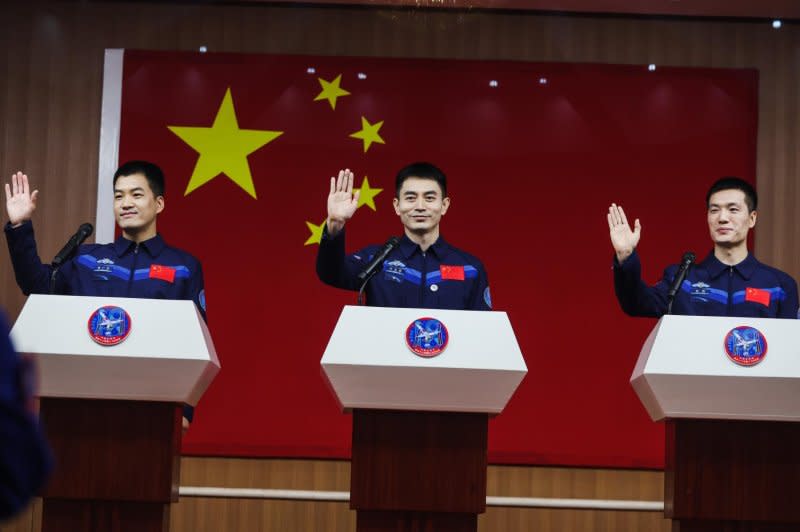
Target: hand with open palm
{"points": [[623, 238], [342, 202], [20, 202]]}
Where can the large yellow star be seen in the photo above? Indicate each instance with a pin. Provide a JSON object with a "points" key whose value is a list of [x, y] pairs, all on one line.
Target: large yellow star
{"points": [[369, 133], [331, 90], [367, 194], [316, 233], [223, 148]]}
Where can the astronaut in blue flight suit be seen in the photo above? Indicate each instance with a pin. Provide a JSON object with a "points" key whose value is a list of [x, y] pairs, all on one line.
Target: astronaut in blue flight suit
{"points": [[25, 459], [728, 282], [423, 271], [137, 264]]}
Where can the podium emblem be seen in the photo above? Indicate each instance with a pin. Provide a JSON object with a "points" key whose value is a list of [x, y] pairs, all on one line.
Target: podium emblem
{"points": [[109, 325], [745, 345], [427, 337]]}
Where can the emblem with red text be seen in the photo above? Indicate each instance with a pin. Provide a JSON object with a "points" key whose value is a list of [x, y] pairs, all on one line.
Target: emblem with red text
{"points": [[745, 345], [109, 325], [427, 337]]}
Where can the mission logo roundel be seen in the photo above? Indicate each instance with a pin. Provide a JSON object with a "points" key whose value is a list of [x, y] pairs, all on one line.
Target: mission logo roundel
{"points": [[745, 345], [427, 337], [109, 325]]}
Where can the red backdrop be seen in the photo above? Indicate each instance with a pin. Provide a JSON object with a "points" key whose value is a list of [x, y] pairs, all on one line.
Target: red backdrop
{"points": [[533, 164]]}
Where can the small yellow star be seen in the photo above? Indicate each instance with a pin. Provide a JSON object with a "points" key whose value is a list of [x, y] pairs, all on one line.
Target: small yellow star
{"points": [[316, 233], [223, 148], [331, 90], [367, 194], [369, 133]]}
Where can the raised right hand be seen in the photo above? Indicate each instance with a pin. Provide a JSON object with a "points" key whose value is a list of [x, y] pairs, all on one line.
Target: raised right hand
{"points": [[20, 202], [342, 202], [622, 238]]}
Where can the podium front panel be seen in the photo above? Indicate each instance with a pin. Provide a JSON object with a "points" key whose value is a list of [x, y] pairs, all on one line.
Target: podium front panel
{"points": [[369, 364], [684, 371]]}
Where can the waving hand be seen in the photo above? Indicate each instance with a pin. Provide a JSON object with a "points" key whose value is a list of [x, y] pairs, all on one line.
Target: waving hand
{"points": [[20, 202], [342, 202], [623, 239]]}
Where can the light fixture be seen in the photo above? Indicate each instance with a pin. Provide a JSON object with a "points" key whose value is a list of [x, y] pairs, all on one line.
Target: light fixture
{"points": [[361, 75], [311, 70], [777, 23], [651, 67], [493, 83], [203, 49]]}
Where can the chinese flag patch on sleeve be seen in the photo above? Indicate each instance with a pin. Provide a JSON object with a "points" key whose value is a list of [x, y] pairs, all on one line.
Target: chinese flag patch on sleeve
{"points": [[455, 273], [165, 273], [757, 295]]}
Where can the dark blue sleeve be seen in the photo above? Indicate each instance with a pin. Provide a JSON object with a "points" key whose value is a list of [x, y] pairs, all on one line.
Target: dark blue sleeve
{"points": [[197, 293], [480, 297], [32, 276], [789, 306], [635, 297], [334, 267], [25, 459]]}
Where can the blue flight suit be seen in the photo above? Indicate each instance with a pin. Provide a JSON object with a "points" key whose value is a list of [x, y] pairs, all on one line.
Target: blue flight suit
{"points": [[711, 288], [25, 459], [442, 277], [151, 270]]}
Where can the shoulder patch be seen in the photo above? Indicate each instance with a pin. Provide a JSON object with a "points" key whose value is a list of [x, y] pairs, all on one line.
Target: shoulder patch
{"points": [[394, 270]]}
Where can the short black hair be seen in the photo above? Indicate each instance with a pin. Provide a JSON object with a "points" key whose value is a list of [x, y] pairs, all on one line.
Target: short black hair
{"points": [[735, 183], [422, 170], [151, 172]]}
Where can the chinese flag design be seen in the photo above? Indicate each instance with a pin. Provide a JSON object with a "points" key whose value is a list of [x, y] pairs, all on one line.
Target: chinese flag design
{"points": [[455, 273], [757, 295], [248, 144], [165, 273]]}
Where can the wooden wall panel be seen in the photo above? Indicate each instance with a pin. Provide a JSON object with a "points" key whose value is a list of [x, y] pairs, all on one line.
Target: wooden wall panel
{"points": [[212, 515], [51, 57], [30, 520], [207, 515], [325, 475]]}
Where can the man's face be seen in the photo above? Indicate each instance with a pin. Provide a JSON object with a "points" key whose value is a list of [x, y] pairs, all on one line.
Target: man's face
{"points": [[420, 205], [729, 219], [135, 205]]}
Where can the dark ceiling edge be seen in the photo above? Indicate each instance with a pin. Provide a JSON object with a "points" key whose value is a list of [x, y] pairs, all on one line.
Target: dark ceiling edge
{"points": [[408, 8]]}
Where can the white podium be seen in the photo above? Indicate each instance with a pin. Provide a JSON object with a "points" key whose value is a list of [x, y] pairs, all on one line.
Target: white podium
{"points": [[729, 390], [420, 422], [112, 413]]}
